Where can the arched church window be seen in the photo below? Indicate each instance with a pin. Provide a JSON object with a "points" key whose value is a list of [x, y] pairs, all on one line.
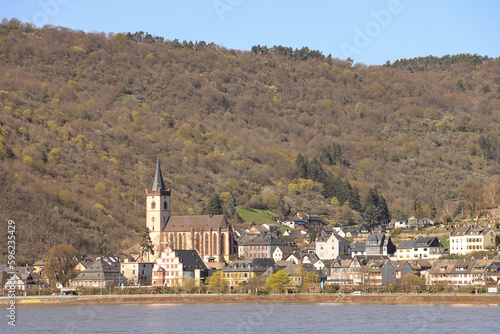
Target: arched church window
{"points": [[206, 244], [153, 205], [215, 244], [172, 242], [222, 243], [197, 243], [180, 241], [165, 205]]}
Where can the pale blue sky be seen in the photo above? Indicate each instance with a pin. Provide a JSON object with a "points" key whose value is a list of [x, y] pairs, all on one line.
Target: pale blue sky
{"points": [[368, 31]]}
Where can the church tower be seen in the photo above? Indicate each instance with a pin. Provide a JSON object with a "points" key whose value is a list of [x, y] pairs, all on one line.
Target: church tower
{"points": [[157, 208]]}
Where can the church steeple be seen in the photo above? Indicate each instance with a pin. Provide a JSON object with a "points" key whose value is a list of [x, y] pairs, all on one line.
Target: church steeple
{"points": [[158, 180], [157, 208]]}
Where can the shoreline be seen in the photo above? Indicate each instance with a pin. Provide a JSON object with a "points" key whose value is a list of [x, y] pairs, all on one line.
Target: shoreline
{"points": [[398, 299]]}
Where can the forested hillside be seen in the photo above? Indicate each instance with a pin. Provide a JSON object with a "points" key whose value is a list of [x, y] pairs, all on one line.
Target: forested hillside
{"points": [[83, 117]]}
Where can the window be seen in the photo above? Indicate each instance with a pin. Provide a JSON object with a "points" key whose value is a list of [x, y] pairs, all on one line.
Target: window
{"points": [[223, 243], [165, 205], [206, 244], [215, 244], [153, 205]]}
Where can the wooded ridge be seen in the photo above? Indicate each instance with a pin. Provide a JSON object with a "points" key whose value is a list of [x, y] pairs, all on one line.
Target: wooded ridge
{"points": [[83, 117]]}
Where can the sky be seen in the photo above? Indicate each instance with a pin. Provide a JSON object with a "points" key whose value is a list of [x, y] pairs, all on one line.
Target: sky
{"points": [[367, 31]]}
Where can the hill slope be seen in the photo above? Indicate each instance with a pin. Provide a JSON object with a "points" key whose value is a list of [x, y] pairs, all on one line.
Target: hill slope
{"points": [[83, 116]]}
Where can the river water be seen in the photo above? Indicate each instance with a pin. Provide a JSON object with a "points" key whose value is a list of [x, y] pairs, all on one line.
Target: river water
{"points": [[255, 318]]}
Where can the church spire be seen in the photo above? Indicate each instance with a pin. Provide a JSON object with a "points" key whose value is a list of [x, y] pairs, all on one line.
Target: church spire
{"points": [[158, 180]]}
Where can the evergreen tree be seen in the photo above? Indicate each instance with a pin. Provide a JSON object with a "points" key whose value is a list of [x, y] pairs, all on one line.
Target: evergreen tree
{"points": [[213, 205], [301, 167], [384, 209], [353, 197], [147, 243], [375, 208], [433, 211]]}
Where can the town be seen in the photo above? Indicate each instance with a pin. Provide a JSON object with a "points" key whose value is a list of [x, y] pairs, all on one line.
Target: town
{"points": [[205, 254]]}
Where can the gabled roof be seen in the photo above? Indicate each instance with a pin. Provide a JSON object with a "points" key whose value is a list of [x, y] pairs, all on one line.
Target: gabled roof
{"points": [[358, 247], [406, 244], [252, 265], [100, 270], [185, 223], [460, 231], [190, 260], [375, 239], [286, 250], [325, 236], [42, 263]]}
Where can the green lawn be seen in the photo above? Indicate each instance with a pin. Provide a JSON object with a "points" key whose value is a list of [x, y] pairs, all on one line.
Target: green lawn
{"points": [[256, 216], [445, 241]]}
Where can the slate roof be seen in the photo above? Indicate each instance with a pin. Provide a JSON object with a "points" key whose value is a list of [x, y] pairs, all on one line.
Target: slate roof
{"points": [[158, 180], [190, 260], [205, 222], [406, 244], [427, 242], [358, 247], [264, 240], [460, 231], [253, 265], [375, 239], [100, 270]]}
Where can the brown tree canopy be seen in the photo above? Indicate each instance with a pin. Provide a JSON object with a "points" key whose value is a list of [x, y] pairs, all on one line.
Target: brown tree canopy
{"points": [[61, 263]]}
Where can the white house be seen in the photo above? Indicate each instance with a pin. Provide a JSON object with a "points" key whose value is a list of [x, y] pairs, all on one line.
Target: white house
{"points": [[466, 239], [422, 248], [329, 246]]}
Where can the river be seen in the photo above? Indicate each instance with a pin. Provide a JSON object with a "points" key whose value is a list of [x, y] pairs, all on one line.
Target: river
{"points": [[255, 318]]}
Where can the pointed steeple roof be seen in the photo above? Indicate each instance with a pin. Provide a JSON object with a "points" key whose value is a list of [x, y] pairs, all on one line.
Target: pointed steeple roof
{"points": [[158, 180]]}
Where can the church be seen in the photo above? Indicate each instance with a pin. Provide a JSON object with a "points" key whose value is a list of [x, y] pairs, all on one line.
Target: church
{"points": [[211, 235]]}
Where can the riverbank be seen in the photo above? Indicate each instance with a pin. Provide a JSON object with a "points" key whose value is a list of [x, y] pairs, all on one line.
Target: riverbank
{"points": [[406, 299]]}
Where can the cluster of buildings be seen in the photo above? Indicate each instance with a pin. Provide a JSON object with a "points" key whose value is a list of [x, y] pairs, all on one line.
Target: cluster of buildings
{"points": [[192, 247]]}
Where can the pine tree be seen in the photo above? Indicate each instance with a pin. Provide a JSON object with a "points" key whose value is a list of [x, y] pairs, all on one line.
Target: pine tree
{"points": [[301, 167], [147, 243], [213, 205]]}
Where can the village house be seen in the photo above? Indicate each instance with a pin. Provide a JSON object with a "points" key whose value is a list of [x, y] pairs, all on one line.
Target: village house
{"points": [[262, 246], [400, 223], [463, 272], [492, 275], [348, 272], [379, 244], [301, 256], [404, 268], [282, 252], [467, 239], [22, 278], [137, 272], [39, 265], [358, 248], [379, 272], [329, 246], [292, 221], [241, 272], [174, 266], [100, 274], [422, 248]]}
